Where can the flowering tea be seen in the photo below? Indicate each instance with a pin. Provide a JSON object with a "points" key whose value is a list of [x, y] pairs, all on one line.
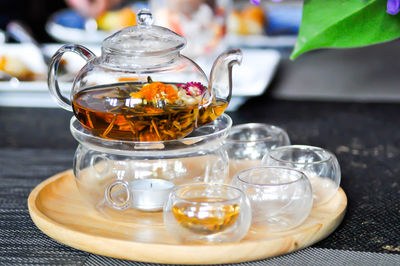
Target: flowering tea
{"points": [[206, 218], [151, 111]]}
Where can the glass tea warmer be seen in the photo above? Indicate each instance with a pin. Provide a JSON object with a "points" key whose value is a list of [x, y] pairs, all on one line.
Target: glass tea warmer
{"points": [[146, 119], [125, 179]]}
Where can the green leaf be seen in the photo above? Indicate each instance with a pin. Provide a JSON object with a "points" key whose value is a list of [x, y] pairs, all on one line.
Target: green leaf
{"points": [[344, 23]]}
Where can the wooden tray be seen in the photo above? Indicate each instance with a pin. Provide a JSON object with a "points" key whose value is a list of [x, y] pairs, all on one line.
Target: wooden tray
{"points": [[56, 209]]}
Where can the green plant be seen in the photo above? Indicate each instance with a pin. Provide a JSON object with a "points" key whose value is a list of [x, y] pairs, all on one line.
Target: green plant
{"points": [[346, 23]]}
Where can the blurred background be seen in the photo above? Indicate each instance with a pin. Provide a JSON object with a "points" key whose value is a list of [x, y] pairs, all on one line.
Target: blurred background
{"points": [[32, 30], [239, 16]]}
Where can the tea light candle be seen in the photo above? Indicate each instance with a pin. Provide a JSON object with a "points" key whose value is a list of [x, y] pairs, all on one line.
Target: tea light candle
{"points": [[150, 194]]}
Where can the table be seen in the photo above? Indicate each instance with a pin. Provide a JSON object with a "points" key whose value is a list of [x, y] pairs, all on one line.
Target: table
{"points": [[36, 143]]}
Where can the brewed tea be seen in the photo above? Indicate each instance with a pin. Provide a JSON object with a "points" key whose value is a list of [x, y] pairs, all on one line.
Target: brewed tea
{"points": [[206, 218], [151, 111]]}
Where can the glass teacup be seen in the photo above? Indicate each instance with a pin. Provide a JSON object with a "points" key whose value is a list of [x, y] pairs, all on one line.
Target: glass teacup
{"points": [[320, 166], [207, 212], [281, 198], [246, 144]]}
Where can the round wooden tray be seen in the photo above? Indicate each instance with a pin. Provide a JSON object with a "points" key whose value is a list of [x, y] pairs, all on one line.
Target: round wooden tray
{"points": [[56, 208]]}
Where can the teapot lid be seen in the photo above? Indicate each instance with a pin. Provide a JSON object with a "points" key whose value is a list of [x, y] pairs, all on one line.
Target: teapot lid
{"points": [[143, 39]]}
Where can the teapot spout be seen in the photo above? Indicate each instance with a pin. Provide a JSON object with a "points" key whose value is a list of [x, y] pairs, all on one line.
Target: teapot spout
{"points": [[220, 85]]}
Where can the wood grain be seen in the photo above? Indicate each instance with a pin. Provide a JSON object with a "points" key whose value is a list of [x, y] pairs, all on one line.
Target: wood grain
{"points": [[56, 208]]}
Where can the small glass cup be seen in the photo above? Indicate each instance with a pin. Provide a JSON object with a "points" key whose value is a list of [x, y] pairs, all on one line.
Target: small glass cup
{"points": [[321, 167], [207, 212], [246, 144], [281, 198]]}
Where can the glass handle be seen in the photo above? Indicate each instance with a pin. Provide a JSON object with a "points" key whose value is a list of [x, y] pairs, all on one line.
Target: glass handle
{"points": [[220, 83], [109, 197], [52, 82]]}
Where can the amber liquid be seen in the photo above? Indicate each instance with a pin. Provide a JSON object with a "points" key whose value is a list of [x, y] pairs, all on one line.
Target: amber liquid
{"points": [[205, 219], [110, 112]]}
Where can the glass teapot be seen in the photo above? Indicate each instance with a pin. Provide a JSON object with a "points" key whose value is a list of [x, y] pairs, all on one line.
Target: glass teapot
{"points": [[141, 88]]}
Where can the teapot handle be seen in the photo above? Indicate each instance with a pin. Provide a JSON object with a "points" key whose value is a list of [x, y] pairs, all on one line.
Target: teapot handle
{"points": [[52, 82]]}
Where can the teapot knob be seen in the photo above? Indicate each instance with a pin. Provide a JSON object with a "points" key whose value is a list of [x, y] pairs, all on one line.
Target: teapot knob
{"points": [[144, 17]]}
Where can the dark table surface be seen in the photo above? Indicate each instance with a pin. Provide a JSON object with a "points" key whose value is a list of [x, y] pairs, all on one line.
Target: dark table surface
{"points": [[35, 143]]}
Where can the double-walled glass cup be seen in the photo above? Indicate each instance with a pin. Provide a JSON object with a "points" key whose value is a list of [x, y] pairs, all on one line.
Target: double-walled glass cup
{"points": [[246, 144], [207, 213], [320, 165], [281, 198]]}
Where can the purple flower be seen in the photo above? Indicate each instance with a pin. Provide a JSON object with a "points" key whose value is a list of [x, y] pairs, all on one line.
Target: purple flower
{"points": [[393, 7], [255, 2]]}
